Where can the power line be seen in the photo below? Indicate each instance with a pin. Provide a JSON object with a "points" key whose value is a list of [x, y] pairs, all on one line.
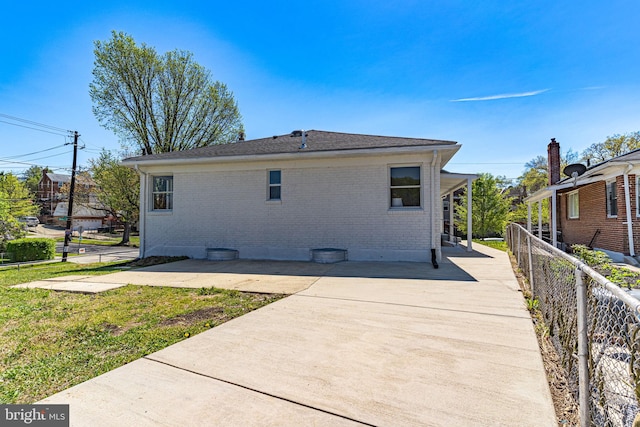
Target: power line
{"points": [[31, 164], [35, 152], [32, 128], [32, 123]]}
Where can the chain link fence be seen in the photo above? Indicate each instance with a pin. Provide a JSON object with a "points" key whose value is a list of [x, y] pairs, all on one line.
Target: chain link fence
{"points": [[594, 326]]}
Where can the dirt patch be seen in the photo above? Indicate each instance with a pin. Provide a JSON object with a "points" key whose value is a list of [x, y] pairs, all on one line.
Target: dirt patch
{"points": [[155, 260], [211, 314], [566, 407], [116, 330]]}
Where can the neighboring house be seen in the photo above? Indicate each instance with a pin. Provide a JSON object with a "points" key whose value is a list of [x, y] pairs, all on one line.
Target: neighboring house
{"points": [[599, 207], [87, 217], [379, 198], [54, 203]]}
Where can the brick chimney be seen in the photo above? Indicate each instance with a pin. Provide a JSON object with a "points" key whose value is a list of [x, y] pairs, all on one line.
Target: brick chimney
{"points": [[553, 152]]}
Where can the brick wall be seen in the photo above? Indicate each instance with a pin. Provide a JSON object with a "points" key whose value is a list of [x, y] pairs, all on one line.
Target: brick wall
{"points": [[340, 203], [593, 216]]}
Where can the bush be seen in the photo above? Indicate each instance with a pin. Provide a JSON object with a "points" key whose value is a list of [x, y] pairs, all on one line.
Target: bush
{"points": [[32, 249], [601, 262]]}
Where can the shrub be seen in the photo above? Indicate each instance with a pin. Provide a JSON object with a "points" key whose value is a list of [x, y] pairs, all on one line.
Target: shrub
{"points": [[601, 262], [32, 249]]}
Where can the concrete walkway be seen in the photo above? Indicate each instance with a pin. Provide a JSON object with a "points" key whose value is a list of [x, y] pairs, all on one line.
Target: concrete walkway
{"points": [[384, 344]]}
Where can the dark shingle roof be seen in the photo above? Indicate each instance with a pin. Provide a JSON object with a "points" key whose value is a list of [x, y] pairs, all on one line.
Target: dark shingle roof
{"points": [[57, 177], [316, 141]]}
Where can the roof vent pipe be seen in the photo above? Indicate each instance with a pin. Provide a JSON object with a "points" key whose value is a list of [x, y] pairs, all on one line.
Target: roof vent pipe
{"points": [[303, 145]]}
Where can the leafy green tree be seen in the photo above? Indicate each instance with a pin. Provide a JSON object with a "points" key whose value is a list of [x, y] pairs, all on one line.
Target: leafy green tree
{"points": [[9, 225], [32, 178], [15, 201], [611, 147], [21, 201], [490, 207], [118, 190], [520, 213], [160, 103]]}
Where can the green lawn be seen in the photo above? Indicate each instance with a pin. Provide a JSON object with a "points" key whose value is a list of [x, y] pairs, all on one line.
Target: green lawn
{"points": [[105, 241], [496, 244], [50, 341]]}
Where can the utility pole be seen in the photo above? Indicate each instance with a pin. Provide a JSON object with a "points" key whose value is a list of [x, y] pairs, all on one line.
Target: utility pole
{"points": [[67, 231]]}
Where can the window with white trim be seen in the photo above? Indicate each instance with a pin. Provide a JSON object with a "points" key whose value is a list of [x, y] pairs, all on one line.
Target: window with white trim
{"points": [[162, 193], [573, 205], [637, 195], [275, 185], [405, 187], [612, 199]]}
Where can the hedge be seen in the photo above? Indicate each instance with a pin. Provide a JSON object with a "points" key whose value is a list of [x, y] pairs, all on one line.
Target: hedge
{"points": [[31, 249]]}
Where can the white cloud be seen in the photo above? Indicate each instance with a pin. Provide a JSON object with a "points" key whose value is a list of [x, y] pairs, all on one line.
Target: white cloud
{"points": [[502, 96]]}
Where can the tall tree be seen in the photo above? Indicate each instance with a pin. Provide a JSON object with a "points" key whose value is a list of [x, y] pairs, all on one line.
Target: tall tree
{"points": [[160, 103], [611, 147], [21, 201], [118, 190], [15, 201], [489, 207], [9, 225], [32, 178]]}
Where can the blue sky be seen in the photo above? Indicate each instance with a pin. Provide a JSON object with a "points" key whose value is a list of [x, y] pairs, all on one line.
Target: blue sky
{"points": [[499, 77]]}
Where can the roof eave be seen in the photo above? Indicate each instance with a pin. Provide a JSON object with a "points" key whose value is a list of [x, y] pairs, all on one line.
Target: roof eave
{"points": [[296, 156]]}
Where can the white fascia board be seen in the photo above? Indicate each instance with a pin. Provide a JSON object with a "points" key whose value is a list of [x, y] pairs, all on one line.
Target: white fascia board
{"points": [[297, 156], [582, 180]]}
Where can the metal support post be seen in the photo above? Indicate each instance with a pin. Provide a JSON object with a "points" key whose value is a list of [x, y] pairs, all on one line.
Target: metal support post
{"points": [[533, 293], [518, 257], [583, 349]]}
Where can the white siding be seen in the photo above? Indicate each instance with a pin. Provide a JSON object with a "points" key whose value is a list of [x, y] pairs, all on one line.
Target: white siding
{"points": [[338, 202]]}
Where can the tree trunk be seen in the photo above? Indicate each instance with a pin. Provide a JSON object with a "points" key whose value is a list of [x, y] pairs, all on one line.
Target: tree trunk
{"points": [[125, 234]]}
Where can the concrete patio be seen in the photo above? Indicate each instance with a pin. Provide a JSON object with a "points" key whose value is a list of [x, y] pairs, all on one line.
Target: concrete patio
{"points": [[356, 344]]}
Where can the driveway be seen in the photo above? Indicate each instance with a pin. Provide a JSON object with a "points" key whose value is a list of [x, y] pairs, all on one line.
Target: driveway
{"points": [[361, 344]]}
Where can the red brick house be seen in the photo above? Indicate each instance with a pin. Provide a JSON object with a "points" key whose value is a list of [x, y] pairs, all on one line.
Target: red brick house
{"points": [[88, 212], [597, 207]]}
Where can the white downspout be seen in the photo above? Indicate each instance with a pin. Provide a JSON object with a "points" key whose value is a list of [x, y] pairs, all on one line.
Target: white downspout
{"points": [[627, 201], [143, 210], [554, 222], [435, 192], [529, 217], [469, 216]]}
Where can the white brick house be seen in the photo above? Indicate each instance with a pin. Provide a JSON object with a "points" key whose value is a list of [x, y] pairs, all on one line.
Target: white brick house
{"points": [[380, 198]]}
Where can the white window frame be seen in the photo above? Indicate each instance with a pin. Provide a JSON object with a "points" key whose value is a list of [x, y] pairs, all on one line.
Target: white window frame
{"points": [[391, 187], [608, 202], [637, 196], [271, 185], [167, 192], [571, 214]]}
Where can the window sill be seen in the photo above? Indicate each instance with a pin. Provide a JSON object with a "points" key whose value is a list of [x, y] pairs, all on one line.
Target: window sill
{"points": [[405, 211], [161, 212], [274, 202], [612, 216]]}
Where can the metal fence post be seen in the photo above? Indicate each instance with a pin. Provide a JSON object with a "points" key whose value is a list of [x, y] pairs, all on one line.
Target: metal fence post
{"points": [[519, 265], [583, 349], [533, 293]]}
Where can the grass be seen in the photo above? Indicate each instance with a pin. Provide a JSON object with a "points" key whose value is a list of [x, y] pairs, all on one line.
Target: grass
{"points": [[109, 241], [496, 244], [50, 341]]}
